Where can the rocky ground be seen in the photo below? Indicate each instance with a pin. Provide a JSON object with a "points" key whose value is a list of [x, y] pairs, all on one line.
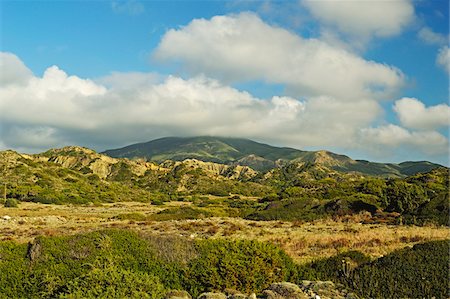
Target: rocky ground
{"points": [[283, 290]]}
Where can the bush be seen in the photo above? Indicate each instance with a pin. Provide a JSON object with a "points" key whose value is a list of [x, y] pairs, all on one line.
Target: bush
{"points": [[106, 280], [290, 210], [337, 268], [11, 203], [246, 266], [418, 272]]}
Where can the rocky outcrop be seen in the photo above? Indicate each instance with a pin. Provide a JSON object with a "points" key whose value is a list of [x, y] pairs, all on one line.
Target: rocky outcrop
{"points": [[177, 294], [84, 159], [281, 290], [325, 290], [285, 290], [212, 296], [215, 170]]}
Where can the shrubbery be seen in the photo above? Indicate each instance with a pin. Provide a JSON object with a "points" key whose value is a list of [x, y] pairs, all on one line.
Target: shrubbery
{"points": [[246, 266], [119, 264], [418, 272], [11, 203], [122, 264]]}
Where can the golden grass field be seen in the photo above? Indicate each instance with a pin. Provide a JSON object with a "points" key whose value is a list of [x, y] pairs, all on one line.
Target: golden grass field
{"points": [[302, 241]]}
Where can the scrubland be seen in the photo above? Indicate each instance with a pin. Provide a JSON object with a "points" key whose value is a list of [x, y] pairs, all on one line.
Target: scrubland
{"points": [[303, 241]]}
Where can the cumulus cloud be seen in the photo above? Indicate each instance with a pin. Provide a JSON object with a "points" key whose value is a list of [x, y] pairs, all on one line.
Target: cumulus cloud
{"points": [[443, 58], [413, 114], [243, 47], [431, 37], [130, 80], [13, 70], [58, 109], [363, 18], [63, 109], [389, 137]]}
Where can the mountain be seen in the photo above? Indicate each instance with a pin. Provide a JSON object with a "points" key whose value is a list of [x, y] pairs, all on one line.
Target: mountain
{"points": [[208, 149], [259, 156], [307, 187]]}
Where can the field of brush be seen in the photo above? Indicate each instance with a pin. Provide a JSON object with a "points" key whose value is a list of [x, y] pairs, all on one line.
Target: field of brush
{"points": [[303, 241]]}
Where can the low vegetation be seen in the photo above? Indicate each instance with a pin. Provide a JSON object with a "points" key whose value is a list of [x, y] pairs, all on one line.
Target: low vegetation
{"points": [[292, 192], [120, 263], [197, 226]]}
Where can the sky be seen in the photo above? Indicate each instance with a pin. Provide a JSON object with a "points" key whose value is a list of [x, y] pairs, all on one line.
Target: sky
{"points": [[369, 79]]}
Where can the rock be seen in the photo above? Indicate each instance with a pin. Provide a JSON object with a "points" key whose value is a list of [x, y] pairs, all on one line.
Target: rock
{"points": [[252, 296], [177, 294], [34, 250], [287, 290], [234, 294], [212, 296], [268, 294], [6, 217], [325, 290]]}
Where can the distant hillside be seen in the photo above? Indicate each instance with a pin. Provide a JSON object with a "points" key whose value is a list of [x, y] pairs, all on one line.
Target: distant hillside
{"points": [[209, 149], [306, 188], [259, 156]]}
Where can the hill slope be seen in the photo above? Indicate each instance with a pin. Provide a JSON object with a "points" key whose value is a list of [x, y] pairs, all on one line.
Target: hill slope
{"points": [[295, 190], [209, 149], [259, 156]]}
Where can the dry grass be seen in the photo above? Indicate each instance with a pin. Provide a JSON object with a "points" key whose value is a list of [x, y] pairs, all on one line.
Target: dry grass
{"points": [[303, 241]]}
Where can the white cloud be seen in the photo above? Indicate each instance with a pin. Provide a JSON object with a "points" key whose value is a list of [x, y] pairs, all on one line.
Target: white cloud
{"points": [[129, 80], [243, 47], [57, 109], [431, 37], [13, 70], [389, 137], [443, 58], [363, 18], [413, 114], [68, 109]]}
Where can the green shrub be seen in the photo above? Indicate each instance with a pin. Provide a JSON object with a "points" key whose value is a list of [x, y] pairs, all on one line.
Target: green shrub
{"points": [[336, 268], [418, 272], [290, 210], [106, 280], [246, 266], [11, 203]]}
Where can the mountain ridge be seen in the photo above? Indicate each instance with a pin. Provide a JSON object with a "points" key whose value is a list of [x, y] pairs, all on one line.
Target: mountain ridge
{"points": [[296, 190], [259, 156]]}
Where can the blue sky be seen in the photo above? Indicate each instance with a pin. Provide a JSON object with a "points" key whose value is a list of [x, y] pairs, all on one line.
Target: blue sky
{"points": [[368, 79]]}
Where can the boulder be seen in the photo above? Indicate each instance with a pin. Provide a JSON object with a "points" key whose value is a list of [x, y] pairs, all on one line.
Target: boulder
{"points": [[212, 296], [287, 290], [268, 294], [177, 294]]}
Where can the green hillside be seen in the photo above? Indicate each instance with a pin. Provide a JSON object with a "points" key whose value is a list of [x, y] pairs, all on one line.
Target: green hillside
{"points": [[209, 149], [259, 156], [294, 191]]}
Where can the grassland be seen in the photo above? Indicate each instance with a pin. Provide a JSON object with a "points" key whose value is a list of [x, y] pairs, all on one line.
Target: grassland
{"points": [[303, 241]]}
